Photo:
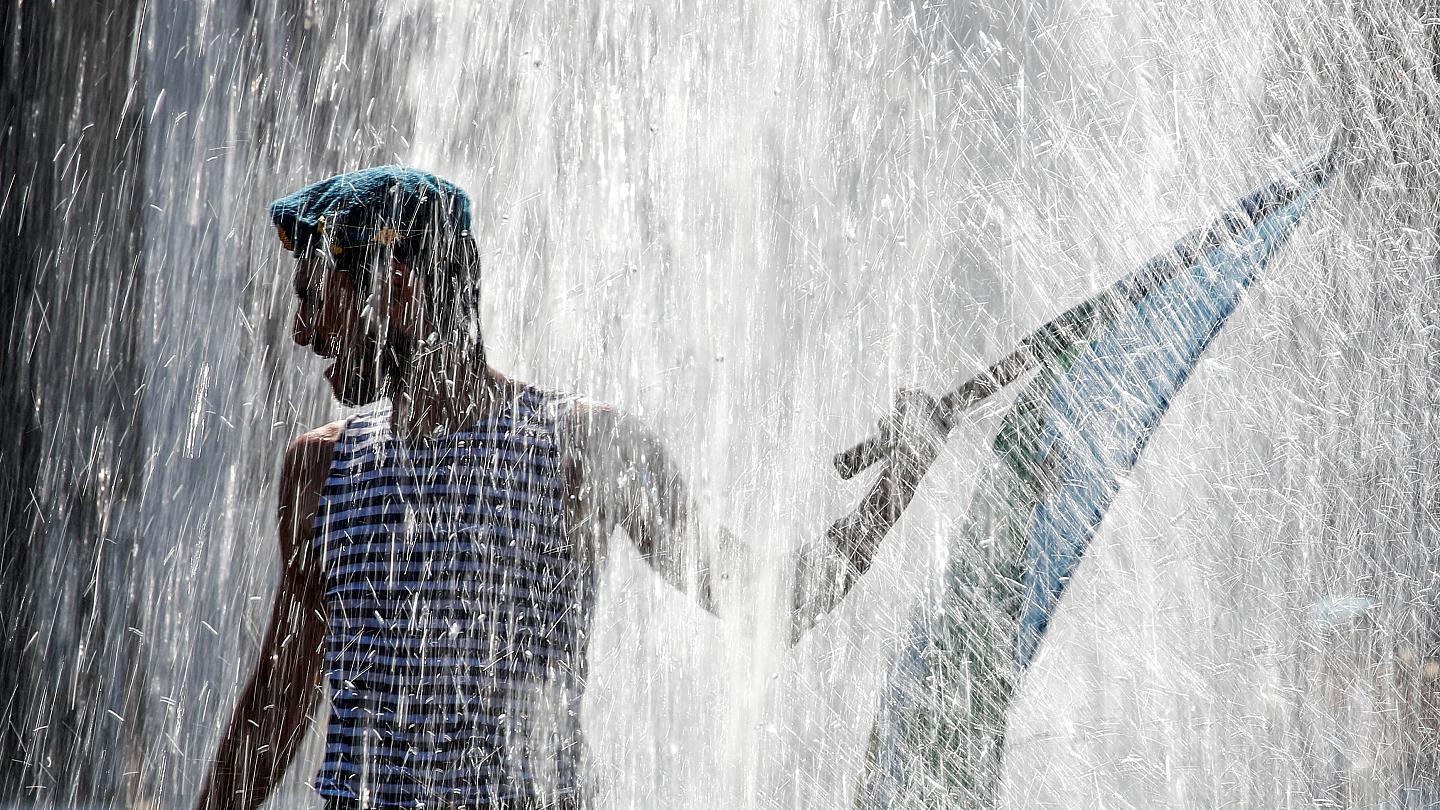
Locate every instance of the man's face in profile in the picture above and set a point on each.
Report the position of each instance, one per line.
(329, 319)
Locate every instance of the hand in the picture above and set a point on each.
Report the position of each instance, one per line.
(916, 430)
(912, 437)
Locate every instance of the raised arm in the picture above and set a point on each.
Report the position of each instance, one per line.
(273, 712)
(623, 477)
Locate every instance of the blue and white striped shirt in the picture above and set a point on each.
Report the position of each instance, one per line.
(457, 614)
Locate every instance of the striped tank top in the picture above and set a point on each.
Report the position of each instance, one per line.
(457, 615)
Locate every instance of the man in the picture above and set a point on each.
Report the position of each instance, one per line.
(439, 550)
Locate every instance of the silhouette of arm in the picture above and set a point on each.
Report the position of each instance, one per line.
(830, 567)
(625, 478)
(273, 712)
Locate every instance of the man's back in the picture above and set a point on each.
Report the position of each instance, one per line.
(457, 614)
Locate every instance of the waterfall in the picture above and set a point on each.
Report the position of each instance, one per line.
(748, 224)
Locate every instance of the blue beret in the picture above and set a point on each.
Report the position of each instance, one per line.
(383, 205)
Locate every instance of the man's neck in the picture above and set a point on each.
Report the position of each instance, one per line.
(444, 393)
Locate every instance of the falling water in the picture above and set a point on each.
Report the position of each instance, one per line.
(748, 224)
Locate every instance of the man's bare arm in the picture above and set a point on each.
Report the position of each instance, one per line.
(273, 712)
(628, 480)
(625, 478)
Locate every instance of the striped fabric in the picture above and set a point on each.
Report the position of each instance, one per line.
(457, 615)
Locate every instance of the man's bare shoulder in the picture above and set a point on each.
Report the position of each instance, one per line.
(314, 445)
(307, 465)
(307, 459)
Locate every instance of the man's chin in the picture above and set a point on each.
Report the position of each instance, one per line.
(352, 389)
